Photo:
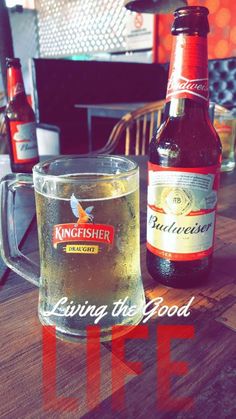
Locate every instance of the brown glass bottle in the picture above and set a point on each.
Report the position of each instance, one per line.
(184, 155)
(20, 121)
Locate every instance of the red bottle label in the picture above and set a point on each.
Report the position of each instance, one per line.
(15, 84)
(181, 211)
(24, 142)
(188, 75)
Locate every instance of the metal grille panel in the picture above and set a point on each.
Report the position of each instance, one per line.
(74, 27)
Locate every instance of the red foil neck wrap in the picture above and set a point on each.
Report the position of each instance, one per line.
(188, 75)
(15, 84)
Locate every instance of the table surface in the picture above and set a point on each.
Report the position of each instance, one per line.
(210, 380)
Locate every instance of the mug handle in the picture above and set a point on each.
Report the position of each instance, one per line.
(10, 252)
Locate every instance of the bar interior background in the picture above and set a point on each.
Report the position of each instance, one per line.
(98, 29)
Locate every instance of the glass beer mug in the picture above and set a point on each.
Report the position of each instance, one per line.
(88, 228)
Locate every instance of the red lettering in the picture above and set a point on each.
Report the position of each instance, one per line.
(50, 399)
(120, 367)
(167, 368)
(118, 351)
(93, 366)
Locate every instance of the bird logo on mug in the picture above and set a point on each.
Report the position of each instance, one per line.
(84, 216)
(84, 233)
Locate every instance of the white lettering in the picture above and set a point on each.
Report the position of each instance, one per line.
(153, 308)
(66, 308)
(176, 83)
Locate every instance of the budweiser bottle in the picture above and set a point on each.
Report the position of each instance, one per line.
(184, 163)
(20, 121)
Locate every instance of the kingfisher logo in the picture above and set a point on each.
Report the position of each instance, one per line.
(101, 233)
(84, 230)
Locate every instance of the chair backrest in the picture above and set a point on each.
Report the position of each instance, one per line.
(132, 134)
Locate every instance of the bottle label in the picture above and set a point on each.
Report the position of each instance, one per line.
(188, 75)
(15, 84)
(24, 141)
(181, 211)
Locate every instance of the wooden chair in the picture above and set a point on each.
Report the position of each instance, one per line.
(134, 130)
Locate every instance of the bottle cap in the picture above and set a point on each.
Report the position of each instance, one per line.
(191, 20)
(13, 62)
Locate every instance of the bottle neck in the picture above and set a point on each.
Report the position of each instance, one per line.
(15, 84)
(187, 107)
(188, 75)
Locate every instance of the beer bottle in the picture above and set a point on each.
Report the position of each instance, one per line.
(20, 121)
(184, 163)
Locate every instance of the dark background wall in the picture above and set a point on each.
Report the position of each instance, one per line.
(60, 84)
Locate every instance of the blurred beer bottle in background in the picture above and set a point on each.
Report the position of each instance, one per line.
(20, 121)
(184, 163)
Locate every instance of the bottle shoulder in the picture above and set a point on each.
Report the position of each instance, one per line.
(20, 111)
(185, 142)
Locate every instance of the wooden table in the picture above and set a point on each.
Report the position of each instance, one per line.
(106, 110)
(211, 376)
